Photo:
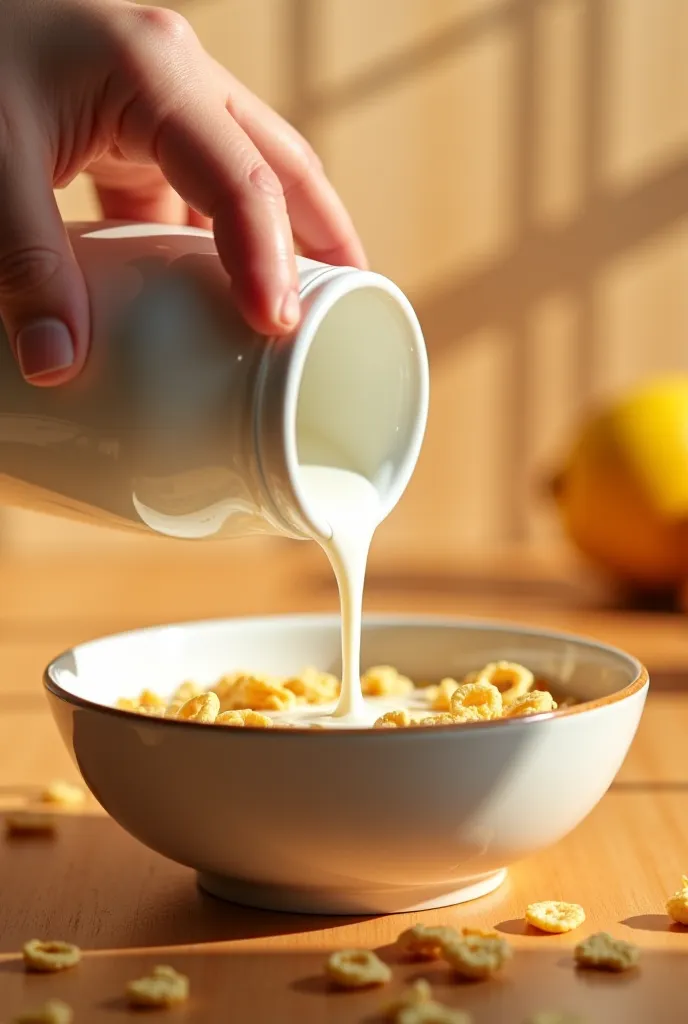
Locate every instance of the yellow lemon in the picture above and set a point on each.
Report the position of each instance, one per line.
(623, 491)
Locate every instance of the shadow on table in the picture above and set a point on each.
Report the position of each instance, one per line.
(94, 885)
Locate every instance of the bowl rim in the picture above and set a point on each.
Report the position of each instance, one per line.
(639, 682)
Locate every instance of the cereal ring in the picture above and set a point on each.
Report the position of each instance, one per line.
(533, 703)
(417, 993)
(246, 718)
(162, 987)
(476, 956)
(50, 956)
(314, 687)
(431, 1013)
(426, 942)
(203, 708)
(440, 696)
(511, 679)
(677, 905)
(475, 702)
(24, 823)
(65, 794)
(357, 968)
(555, 917)
(385, 681)
(393, 720)
(52, 1012)
(258, 694)
(603, 953)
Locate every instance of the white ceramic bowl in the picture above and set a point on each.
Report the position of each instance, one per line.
(345, 822)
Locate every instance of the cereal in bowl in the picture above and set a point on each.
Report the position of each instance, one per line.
(357, 968)
(501, 689)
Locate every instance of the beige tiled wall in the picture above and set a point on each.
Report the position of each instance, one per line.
(520, 167)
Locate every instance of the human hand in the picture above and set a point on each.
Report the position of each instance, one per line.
(128, 94)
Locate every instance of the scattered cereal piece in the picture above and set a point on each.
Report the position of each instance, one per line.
(440, 696)
(149, 699)
(385, 681)
(162, 987)
(554, 917)
(66, 794)
(430, 1012)
(677, 905)
(50, 956)
(246, 718)
(417, 993)
(52, 1012)
(357, 968)
(26, 823)
(555, 1018)
(511, 679)
(256, 693)
(533, 703)
(475, 702)
(476, 956)
(203, 708)
(313, 686)
(185, 691)
(604, 953)
(394, 720)
(426, 942)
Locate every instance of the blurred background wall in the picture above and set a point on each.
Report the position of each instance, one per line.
(520, 168)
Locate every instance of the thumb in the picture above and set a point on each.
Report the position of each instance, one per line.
(43, 299)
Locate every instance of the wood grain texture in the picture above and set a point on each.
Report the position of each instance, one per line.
(129, 908)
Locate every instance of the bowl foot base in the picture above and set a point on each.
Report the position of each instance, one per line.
(313, 901)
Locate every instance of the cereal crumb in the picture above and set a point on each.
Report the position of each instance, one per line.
(431, 1013)
(603, 953)
(203, 708)
(476, 956)
(475, 702)
(52, 1012)
(417, 993)
(246, 718)
(357, 968)
(555, 917)
(162, 987)
(385, 681)
(511, 679)
(533, 703)
(677, 905)
(65, 794)
(27, 823)
(49, 957)
(400, 719)
(426, 942)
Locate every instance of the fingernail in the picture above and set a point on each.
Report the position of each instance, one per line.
(290, 309)
(44, 347)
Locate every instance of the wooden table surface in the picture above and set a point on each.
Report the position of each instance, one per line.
(130, 909)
